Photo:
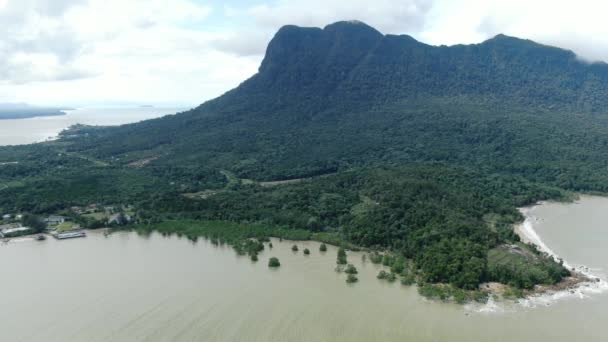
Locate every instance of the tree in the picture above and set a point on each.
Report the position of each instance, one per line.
(274, 262)
(398, 265)
(350, 269)
(341, 257)
(294, 248)
(306, 251)
(351, 278)
(34, 222)
(323, 248)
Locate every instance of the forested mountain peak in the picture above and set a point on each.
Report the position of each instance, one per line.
(346, 95)
(353, 62)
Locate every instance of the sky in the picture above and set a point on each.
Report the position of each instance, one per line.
(184, 52)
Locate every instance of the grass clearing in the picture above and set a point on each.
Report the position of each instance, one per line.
(96, 216)
(66, 226)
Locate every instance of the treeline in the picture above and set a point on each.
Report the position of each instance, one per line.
(444, 219)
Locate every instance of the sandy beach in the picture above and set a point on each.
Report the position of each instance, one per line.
(581, 284)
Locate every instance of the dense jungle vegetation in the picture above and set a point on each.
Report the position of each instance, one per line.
(390, 144)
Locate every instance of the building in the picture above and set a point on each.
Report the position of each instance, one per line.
(69, 234)
(13, 230)
(77, 210)
(54, 220)
(9, 226)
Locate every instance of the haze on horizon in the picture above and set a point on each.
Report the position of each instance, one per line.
(183, 52)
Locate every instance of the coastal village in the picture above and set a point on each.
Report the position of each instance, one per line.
(65, 225)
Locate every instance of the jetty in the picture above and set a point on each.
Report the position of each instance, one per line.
(69, 234)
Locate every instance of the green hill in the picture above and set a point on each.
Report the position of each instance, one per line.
(347, 96)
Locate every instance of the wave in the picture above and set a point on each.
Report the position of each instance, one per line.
(595, 285)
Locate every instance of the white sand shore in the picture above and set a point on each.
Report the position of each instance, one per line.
(583, 283)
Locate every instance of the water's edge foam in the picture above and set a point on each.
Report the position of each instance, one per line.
(597, 283)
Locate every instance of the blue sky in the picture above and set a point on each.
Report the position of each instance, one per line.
(183, 52)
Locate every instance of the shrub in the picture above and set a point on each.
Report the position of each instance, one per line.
(274, 262)
(375, 258)
(341, 257)
(408, 279)
(350, 269)
(398, 265)
(387, 260)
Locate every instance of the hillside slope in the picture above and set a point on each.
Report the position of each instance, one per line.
(346, 96)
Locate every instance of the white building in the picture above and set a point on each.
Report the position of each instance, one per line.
(10, 230)
(54, 220)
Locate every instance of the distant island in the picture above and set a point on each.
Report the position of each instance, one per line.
(24, 111)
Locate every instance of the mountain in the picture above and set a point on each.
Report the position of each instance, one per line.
(361, 138)
(346, 95)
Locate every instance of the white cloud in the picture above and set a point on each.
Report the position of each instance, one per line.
(388, 16)
(385, 15)
(187, 51)
(113, 50)
(579, 26)
(251, 43)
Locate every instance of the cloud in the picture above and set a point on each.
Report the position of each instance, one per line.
(386, 15)
(34, 38)
(115, 51)
(42, 41)
(265, 19)
(187, 51)
(252, 43)
(578, 26)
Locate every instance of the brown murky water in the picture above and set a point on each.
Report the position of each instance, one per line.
(131, 288)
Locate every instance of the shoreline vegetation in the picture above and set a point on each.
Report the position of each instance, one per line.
(399, 268)
(455, 235)
(251, 239)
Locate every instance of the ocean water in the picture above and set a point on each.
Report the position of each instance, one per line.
(31, 130)
(127, 287)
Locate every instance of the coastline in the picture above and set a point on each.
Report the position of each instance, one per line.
(22, 116)
(581, 284)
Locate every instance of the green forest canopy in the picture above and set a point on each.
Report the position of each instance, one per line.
(420, 149)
